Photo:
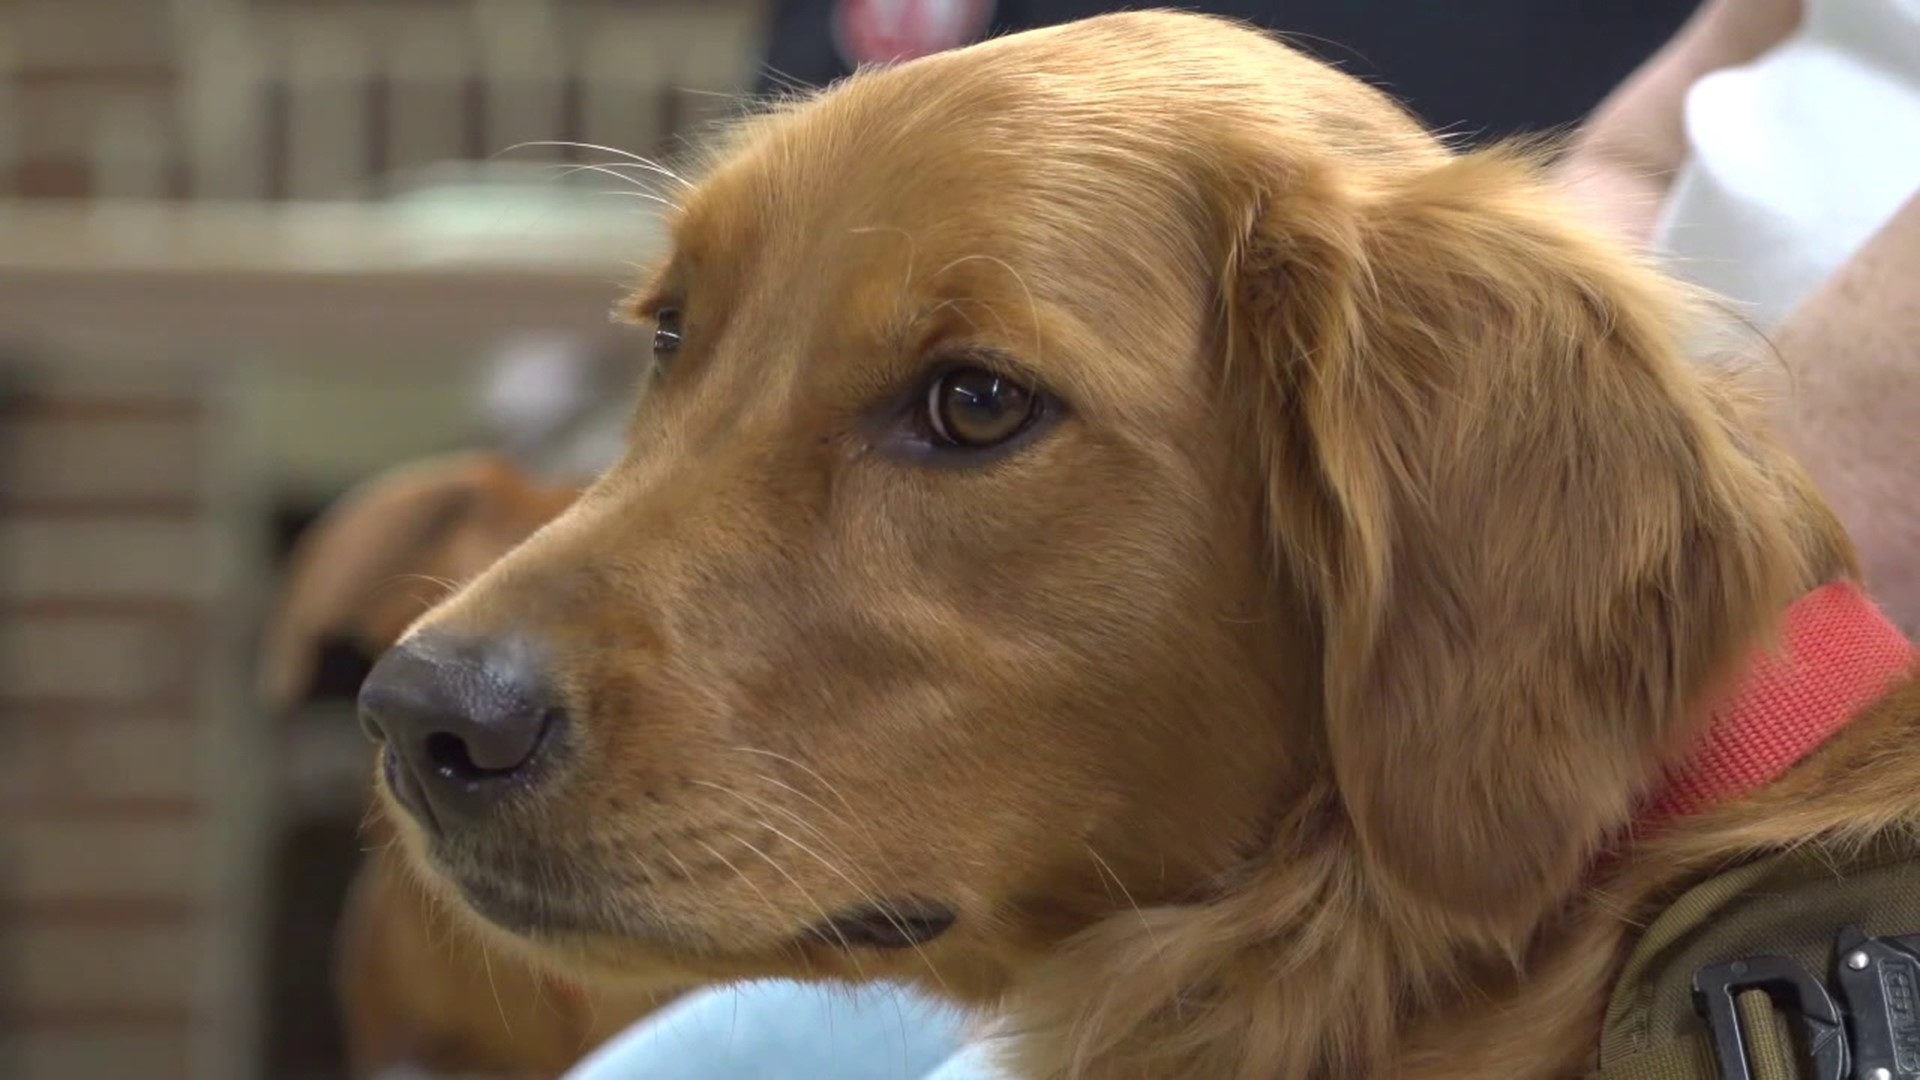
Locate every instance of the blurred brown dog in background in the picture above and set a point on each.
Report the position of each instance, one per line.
(418, 989)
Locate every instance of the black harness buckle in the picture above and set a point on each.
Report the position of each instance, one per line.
(1809, 1008)
(1879, 980)
(1872, 1032)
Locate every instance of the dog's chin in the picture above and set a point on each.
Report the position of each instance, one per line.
(568, 935)
(540, 919)
(592, 949)
(529, 915)
(505, 905)
(498, 886)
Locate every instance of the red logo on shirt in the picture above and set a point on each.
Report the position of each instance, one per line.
(887, 31)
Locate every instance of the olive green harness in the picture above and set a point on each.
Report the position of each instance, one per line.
(1792, 967)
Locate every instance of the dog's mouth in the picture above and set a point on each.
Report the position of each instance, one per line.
(901, 925)
(515, 903)
(521, 911)
(888, 927)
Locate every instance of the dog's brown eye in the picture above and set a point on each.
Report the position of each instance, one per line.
(974, 408)
(666, 331)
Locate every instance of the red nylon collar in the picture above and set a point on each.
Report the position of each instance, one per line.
(1838, 653)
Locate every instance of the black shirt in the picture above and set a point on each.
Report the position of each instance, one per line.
(1477, 67)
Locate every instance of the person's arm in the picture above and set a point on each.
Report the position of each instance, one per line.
(1623, 160)
(1852, 414)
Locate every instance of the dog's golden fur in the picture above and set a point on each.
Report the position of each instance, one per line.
(1265, 714)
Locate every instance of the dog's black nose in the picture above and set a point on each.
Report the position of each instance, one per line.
(464, 725)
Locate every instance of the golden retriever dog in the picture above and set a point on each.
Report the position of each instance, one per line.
(1129, 531)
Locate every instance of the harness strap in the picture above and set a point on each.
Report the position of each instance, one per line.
(1772, 1053)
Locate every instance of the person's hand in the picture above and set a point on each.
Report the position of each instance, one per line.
(1621, 163)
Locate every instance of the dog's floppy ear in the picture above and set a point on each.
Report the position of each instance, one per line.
(1527, 532)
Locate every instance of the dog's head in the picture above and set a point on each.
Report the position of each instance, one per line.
(1067, 460)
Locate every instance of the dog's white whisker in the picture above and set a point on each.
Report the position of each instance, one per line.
(646, 870)
(807, 769)
(648, 196)
(451, 586)
(879, 903)
(568, 144)
(913, 250)
(616, 170)
(772, 908)
(762, 804)
(686, 873)
(486, 963)
(826, 920)
(867, 892)
(1145, 925)
(873, 841)
(870, 892)
(1033, 305)
(959, 306)
(827, 841)
(851, 816)
(826, 810)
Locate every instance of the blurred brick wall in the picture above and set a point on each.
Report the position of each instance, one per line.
(326, 99)
(105, 607)
(130, 842)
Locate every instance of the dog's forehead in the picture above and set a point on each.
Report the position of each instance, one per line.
(856, 160)
(906, 254)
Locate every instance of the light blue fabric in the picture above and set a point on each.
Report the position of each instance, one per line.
(790, 1031)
